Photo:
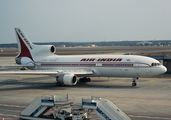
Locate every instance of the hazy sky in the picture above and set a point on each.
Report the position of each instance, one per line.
(85, 20)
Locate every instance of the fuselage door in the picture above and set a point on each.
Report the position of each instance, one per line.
(136, 65)
(99, 65)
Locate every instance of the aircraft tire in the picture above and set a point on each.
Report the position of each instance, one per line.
(89, 80)
(134, 84)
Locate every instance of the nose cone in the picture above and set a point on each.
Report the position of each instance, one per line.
(158, 70)
(163, 69)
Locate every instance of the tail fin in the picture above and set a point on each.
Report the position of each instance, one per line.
(25, 46)
(29, 50)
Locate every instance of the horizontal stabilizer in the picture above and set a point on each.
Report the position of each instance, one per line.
(15, 65)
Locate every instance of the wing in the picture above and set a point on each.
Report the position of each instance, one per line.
(48, 72)
(43, 72)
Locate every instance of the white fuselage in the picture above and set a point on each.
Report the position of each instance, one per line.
(103, 65)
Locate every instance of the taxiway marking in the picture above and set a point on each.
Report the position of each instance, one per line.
(10, 110)
(12, 105)
(160, 118)
(154, 80)
(9, 115)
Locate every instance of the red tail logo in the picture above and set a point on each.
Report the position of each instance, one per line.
(24, 52)
(25, 39)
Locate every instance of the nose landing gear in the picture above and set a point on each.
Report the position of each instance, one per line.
(134, 82)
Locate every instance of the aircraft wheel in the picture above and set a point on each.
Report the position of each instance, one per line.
(81, 80)
(134, 84)
(89, 80)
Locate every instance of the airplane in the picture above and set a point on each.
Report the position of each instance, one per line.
(41, 59)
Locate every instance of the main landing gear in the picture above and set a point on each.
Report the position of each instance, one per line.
(84, 79)
(134, 82)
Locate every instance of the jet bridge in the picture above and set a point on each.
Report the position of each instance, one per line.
(60, 108)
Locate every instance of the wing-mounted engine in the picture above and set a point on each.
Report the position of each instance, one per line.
(66, 79)
(25, 61)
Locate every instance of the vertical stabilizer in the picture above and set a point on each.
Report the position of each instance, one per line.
(29, 52)
(25, 46)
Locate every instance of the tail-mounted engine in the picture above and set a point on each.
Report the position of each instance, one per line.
(44, 49)
(67, 79)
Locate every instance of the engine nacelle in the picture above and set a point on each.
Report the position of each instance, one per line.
(67, 79)
(44, 49)
(25, 61)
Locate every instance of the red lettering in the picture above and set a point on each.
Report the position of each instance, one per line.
(114, 59)
(92, 59)
(84, 59)
(99, 59)
(27, 42)
(19, 31)
(88, 59)
(22, 35)
(109, 59)
(119, 59)
(25, 39)
(103, 59)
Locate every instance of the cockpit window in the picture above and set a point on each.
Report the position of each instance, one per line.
(155, 64)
